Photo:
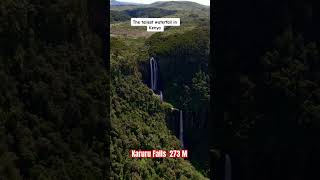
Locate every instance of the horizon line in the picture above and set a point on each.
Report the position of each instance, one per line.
(126, 1)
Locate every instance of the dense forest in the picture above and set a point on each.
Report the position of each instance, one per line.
(140, 119)
(183, 60)
(55, 90)
(53, 95)
(265, 89)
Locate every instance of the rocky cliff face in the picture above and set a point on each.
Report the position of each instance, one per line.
(145, 71)
(194, 135)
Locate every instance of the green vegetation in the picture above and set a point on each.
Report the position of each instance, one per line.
(291, 76)
(191, 15)
(184, 67)
(138, 116)
(138, 121)
(149, 12)
(53, 95)
(185, 6)
(183, 60)
(266, 90)
(118, 16)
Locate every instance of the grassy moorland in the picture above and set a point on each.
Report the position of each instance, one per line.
(191, 15)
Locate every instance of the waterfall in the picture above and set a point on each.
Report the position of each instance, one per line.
(161, 96)
(153, 73)
(181, 129)
(154, 78)
(227, 167)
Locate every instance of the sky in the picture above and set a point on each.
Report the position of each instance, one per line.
(204, 2)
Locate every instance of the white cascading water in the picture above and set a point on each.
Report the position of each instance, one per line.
(181, 129)
(153, 86)
(227, 169)
(161, 96)
(153, 73)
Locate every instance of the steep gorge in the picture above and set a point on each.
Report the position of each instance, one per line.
(179, 69)
(138, 119)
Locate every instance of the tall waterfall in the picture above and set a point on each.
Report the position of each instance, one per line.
(161, 96)
(181, 129)
(227, 168)
(153, 73)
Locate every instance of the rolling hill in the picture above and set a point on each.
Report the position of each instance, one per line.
(191, 14)
(148, 12)
(185, 6)
(120, 3)
(180, 5)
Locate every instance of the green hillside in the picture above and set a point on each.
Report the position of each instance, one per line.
(53, 92)
(138, 121)
(169, 5)
(118, 16)
(191, 15)
(138, 116)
